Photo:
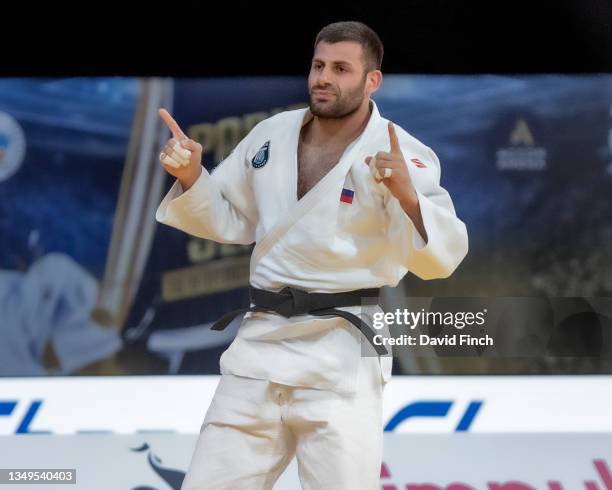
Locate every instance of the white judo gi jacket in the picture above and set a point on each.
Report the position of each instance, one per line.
(318, 243)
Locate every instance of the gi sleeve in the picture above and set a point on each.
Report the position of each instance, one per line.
(447, 240)
(219, 206)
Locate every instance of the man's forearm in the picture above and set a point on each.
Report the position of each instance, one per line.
(411, 206)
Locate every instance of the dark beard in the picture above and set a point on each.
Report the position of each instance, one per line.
(342, 107)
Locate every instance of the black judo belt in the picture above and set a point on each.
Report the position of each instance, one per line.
(292, 302)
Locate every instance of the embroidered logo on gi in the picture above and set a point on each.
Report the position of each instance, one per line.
(262, 155)
(418, 163)
(347, 196)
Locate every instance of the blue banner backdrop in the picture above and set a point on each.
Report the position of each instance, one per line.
(527, 160)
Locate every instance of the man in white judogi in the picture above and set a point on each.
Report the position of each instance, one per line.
(336, 199)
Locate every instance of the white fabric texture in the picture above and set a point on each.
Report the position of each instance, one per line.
(317, 243)
(253, 428)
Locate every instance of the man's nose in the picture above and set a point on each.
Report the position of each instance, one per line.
(323, 78)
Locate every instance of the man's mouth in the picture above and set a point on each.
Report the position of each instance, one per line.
(322, 93)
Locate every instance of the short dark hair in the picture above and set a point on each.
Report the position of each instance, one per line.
(371, 44)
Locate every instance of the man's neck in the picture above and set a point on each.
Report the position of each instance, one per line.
(343, 130)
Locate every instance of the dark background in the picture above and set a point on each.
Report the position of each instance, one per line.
(265, 38)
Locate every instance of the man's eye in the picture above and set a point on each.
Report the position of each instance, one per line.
(341, 69)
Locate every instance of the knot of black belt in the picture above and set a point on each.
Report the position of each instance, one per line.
(291, 301)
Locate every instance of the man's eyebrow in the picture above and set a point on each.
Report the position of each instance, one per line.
(337, 62)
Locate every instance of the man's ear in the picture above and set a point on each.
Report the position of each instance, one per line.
(374, 80)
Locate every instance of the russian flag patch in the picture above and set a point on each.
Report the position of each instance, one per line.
(347, 196)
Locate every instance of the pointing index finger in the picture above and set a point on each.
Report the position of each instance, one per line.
(395, 146)
(172, 124)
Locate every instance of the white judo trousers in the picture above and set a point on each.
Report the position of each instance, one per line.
(254, 428)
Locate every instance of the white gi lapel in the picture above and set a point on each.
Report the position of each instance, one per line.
(330, 183)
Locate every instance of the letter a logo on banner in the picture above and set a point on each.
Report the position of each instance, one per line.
(262, 155)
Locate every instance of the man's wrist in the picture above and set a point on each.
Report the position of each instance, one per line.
(188, 181)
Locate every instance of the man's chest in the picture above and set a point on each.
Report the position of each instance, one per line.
(314, 162)
(306, 183)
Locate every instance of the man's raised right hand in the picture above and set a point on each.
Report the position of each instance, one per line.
(181, 157)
